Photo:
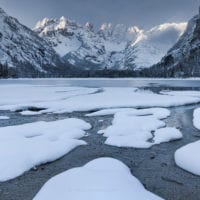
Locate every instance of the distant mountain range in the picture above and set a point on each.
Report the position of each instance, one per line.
(62, 47)
(112, 47)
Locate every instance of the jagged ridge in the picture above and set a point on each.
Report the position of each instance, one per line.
(112, 47)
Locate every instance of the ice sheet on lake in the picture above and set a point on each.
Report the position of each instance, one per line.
(100, 179)
(25, 146)
(69, 99)
(138, 128)
(182, 93)
(22, 96)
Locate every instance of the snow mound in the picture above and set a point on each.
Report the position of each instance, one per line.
(196, 118)
(187, 156)
(25, 146)
(188, 159)
(103, 178)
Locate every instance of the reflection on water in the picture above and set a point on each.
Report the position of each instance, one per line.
(101, 82)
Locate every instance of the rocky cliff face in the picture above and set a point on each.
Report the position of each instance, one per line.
(183, 59)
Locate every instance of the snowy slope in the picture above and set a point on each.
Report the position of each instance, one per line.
(21, 46)
(156, 42)
(112, 46)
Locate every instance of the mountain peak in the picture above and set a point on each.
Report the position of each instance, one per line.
(44, 22)
(89, 26)
(63, 18)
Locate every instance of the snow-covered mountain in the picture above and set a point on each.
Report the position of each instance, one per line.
(112, 47)
(59, 46)
(20, 46)
(183, 59)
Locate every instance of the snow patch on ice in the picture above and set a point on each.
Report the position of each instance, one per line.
(136, 127)
(166, 135)
(103, 178)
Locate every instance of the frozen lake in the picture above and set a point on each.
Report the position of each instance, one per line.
(75, 121)
(106, 82)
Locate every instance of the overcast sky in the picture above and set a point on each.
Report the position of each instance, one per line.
(142, 13)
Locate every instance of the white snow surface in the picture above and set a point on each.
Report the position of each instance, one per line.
(4, 117)
(69, 99)
(134, 128)
(24, 146)
(103, 178)
(187, 157)
(29, 113)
